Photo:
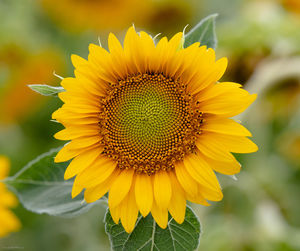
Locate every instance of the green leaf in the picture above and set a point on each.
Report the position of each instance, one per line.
(204, 32)
(147, 235)
(41, 188)
(46, 90)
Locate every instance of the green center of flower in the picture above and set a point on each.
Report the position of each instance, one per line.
(148, 123)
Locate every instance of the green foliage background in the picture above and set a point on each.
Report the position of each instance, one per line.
(260, 211)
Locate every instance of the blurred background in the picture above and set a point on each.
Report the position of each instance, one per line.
(261, 38)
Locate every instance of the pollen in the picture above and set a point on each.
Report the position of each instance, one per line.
(149, 122)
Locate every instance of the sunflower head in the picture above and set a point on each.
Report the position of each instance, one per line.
(149, 123)
(8, 221)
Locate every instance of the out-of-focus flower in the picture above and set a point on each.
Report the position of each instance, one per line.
(21, 68)
(168, 15)
(292, 5)
(283, 99)
(78, 15)
(8, 221)
(149, 123)
(291, 147)
(283, 102)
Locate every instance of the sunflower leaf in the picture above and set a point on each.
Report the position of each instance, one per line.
(204, 32)
(147, 235)
(46, 90)
(41, 188)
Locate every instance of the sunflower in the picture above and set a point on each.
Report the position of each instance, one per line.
(8, 221)
(149, 124)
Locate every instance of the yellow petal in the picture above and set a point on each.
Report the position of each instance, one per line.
(117, 56)
(76, 189)
(144, 193)
(4, 167)
(95, 193)
(83, 107)
(169, 52)
(148, 49)
(91, 81)
(235, 144)
(78, 86)
(70, 112)
(189, 185)
(120, 187)
(91, 121)
(129, 211)
(189, 56)
(209, 194)
(197, 199)
(160, 215)
(63, 112)
(101, 60)
(202, 65)
(68, 97)
(132, 50)
(162, 189)
(212, 148)
(158, 59)
(195, 63)
(114, 45)
(175, 42)
(175, 65)
(177, 204)
(228, 168)
(201, 171)
(9, 222)
(68, 152)
(77, 132)
(78, 61)
(224, 126)
(81, 162)
(210, 77)
(71, 84)
(116, 213)
(221, 89)
(227, 106)
(96, 173)
(8, 199)
(84, 142)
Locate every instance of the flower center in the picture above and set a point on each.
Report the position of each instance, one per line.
(149, 123)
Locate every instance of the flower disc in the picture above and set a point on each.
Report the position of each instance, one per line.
(148, 123)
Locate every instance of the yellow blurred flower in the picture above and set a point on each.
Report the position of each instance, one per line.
(150, 124)
(8, 221)
(22, 68)
(97, 14)
(282, 99)
(291, 147)
(168, 15)
(292, 5)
